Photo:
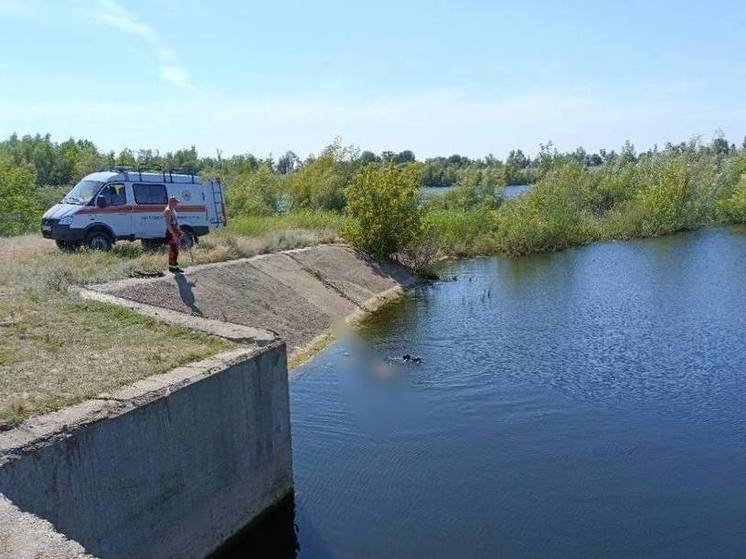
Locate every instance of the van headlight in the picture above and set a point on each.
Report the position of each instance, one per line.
(67, 220)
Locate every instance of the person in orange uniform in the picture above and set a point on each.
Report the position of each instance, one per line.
(173, 234)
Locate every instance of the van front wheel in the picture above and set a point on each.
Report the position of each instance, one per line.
(98, 240)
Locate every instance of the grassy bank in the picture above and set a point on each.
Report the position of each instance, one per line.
(57, 349)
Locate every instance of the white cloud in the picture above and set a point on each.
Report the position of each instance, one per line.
(111, 13)
(176, 76)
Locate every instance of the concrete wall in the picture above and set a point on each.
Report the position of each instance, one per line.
(299, 294)
(169, 467)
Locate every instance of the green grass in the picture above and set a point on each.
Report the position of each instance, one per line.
(57, 351)
(464, 232)
(312, 220)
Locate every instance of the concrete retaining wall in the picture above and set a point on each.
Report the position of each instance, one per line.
(176, 464)
(169, 467)
(299, 294)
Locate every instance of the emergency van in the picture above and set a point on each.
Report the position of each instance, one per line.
(123, 204)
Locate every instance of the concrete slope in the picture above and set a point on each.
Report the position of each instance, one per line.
(298, 294)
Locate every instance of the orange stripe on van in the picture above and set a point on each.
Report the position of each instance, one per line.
(141, 208)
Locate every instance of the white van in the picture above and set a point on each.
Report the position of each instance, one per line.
(122, 204)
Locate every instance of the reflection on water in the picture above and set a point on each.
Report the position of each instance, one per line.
(588, 403)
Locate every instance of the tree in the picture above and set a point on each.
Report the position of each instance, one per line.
(368, 157)
(320, 182)
(18, 195)
(288, 163)
(254, 193)
(515, 165)
(720, 144)
(383, 205)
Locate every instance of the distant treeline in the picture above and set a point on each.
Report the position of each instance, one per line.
(64, 163)
(578, 196)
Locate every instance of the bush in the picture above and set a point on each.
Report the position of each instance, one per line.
(320, 182)
(17, 191)
(551, 216)
(253, 193)
(383, 205)
(477, 188)
(733, 208)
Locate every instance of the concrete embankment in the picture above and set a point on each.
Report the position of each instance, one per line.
(298, 294)
(176, 464)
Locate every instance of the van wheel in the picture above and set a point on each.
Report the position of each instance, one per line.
(187, 239)
(151, 244)
(98, 240)
(68, 246)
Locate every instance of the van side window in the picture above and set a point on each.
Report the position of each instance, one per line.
(150, 194)
(114, 194)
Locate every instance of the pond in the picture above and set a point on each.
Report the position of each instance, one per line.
(588, 403)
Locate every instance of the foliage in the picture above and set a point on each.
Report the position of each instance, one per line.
(464, 232)
(254, 193)
(551, 216)
(477, 187)
(382, 202)
(320, 182)
(578, 197)
(17, 196)
(629, 197)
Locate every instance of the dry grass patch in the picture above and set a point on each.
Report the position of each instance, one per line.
(57, 349)
(64, 350)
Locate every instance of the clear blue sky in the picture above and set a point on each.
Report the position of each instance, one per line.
(438, 77)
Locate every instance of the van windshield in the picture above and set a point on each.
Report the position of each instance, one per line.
(82, 193)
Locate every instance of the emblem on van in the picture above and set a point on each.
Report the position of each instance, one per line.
(186, 195)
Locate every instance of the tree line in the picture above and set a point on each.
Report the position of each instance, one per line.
(577, 196)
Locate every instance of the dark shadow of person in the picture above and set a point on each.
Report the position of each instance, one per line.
(186, 294)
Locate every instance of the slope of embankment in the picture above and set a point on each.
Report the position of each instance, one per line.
(298, 294)
(177, 463)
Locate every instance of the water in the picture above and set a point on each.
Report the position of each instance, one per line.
(509, 191)
(588, 403)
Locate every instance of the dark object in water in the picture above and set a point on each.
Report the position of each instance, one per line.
(408, 358)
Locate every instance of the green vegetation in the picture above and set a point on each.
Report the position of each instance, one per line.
(369, 200)
(651, 195)
(57, 349)
(382, 202)
(577, 197)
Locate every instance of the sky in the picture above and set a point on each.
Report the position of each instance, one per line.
(438, 77)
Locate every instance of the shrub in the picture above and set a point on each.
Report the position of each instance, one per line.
(383, 205)
(254, 193)
(320, 182)
(551, 216)
(17, 191)
(733, 208)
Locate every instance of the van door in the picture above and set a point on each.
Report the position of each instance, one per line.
(147, 215)
(117, 214)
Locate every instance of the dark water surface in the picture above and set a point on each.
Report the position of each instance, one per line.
(589, 403)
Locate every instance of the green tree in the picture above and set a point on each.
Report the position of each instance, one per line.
(17, 191)
(383, 204)
(320, 182)
(254, 193)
